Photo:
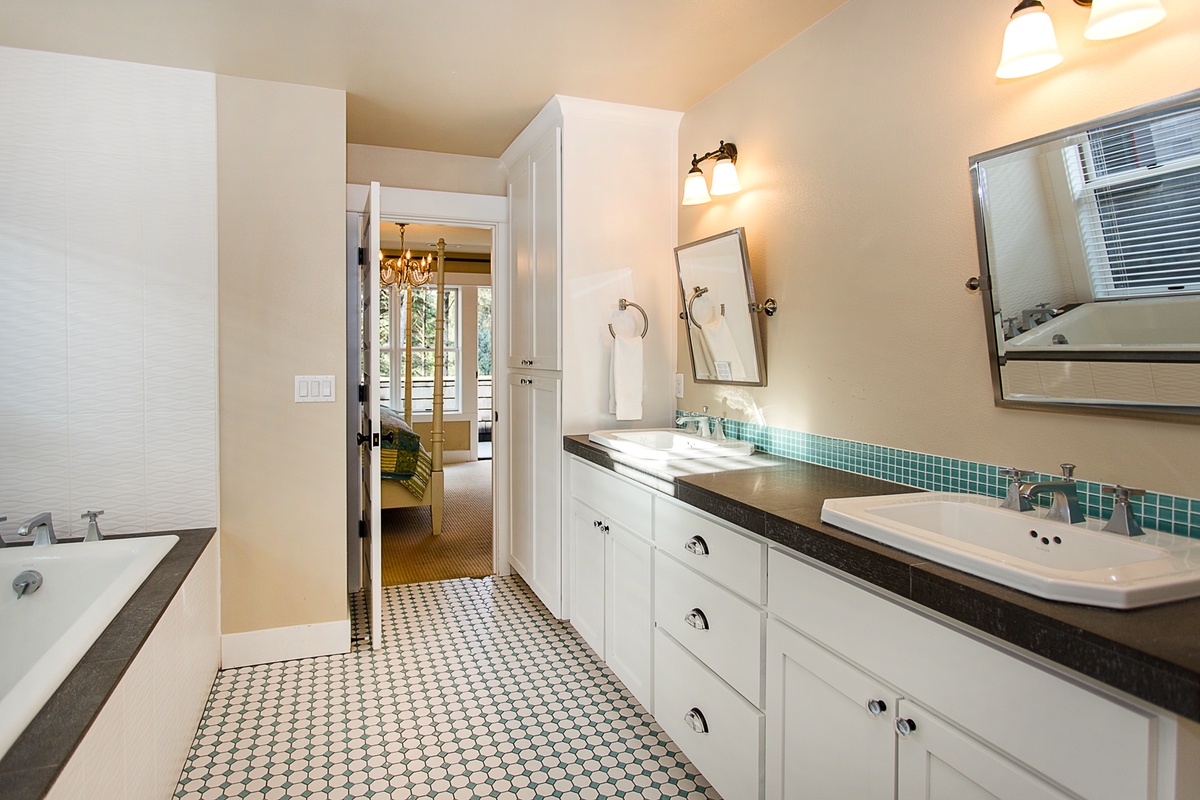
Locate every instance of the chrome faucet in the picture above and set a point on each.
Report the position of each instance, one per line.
(41, 527)
(1065, 505)
(1013, 498)
(93, 529)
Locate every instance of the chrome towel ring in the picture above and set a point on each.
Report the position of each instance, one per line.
(625, 305)
(699, 292)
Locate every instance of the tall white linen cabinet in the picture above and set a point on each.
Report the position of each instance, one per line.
(593, 191)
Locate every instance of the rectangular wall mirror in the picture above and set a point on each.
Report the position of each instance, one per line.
(1089, 244)
(717, 292)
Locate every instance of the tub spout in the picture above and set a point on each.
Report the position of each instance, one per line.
(41, 527)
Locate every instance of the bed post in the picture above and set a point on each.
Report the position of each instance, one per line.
(437, 478)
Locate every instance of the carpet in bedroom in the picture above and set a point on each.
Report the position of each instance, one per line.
(412, 554)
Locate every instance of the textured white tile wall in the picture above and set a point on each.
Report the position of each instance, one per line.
(108, 310)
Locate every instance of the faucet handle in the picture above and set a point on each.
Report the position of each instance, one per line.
(1068, 470)
(1122, 493)
(1015, 474)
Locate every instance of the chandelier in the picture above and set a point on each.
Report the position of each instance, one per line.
(404, 270)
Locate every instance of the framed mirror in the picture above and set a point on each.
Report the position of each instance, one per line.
(1089, 247)
(719, 310)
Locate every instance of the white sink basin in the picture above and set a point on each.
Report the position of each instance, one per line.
(662, 444)
(1073, 563)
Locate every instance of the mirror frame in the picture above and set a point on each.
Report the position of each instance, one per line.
(1188, 414)
(755, 322)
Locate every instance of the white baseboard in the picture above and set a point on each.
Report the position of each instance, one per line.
(284, 644)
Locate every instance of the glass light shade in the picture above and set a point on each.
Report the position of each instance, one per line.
(1111, 19)
(695, 189)
(1029, 45)
(725, 177)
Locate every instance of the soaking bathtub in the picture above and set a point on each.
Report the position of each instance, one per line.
(107, 665)
(1142, 325)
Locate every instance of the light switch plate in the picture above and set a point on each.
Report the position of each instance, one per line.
(315, 389)
(679, 385)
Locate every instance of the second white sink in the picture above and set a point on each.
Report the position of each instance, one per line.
(666, 443)
(1053, 560)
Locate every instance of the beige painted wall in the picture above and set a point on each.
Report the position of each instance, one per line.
(281, 196)
(853, 143)
(418, 169)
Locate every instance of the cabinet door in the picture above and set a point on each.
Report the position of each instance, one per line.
(588, 544)
(520, 285)
(535, 470)
(546, 297)
(629, 632)
(939, 762)
(825, 739)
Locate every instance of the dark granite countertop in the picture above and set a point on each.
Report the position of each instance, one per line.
(37, 757)
(1151, 653)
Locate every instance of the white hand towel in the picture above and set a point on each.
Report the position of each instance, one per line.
(625, 389)
(723, 349)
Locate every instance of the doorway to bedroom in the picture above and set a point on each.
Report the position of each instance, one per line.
(412, 552)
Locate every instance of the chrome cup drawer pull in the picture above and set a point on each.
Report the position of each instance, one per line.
(876, 707)
(696, 721)
(696, 546)
(696, 619)
(905, 726)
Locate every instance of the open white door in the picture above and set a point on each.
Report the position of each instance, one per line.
(368, 435)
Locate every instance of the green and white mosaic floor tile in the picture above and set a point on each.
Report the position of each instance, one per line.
(477, 693)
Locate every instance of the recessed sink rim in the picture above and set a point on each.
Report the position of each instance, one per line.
(663, 444)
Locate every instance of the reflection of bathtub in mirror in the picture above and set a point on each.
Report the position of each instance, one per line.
(1141, 325)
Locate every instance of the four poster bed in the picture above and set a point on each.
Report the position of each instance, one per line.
(412, 475)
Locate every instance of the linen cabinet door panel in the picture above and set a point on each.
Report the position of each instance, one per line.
(720, 628)
(520, 287)
(545, 299)
(535, 470)
(713, 725)
(588, 544)
(936, 761)
(830, 728)
(629, 615)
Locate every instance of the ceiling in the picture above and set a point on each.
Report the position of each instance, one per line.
(449, 76)
(423, 238)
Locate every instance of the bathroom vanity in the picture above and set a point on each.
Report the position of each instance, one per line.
(788, 658)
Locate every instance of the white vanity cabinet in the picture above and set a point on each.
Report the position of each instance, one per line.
(709, 578)
(968, 717)
(612, 574)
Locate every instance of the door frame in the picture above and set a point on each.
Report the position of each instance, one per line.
(440, 208)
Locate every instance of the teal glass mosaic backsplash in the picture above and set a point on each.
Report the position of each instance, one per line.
(1180, 515)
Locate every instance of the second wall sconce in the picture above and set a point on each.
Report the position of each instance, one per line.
(724, 180)
(1029, 43)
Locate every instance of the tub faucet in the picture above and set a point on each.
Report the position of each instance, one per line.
(1065, 505)
(93, 529)
(41, 527)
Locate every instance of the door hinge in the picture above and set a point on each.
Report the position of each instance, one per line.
(362, 529)
(362, 393)
(362, 256)
(375, 439)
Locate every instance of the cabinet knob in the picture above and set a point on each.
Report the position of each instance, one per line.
(596, 523)
(696, 619)
(604, 529)
(696, 721)
(876, 707)
(696, 546)
(905, 726)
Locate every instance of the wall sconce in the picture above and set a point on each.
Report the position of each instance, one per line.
(724, 180)
(1029, 43)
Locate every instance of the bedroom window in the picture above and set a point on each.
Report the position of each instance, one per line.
(393, 328)
(1136, 188)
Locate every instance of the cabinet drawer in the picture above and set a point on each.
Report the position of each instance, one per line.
(1096, 746)
(731, 641)
(732, 559)
(613, 497)
(729, 754)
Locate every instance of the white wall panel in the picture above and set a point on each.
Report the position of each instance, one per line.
(108, 273)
